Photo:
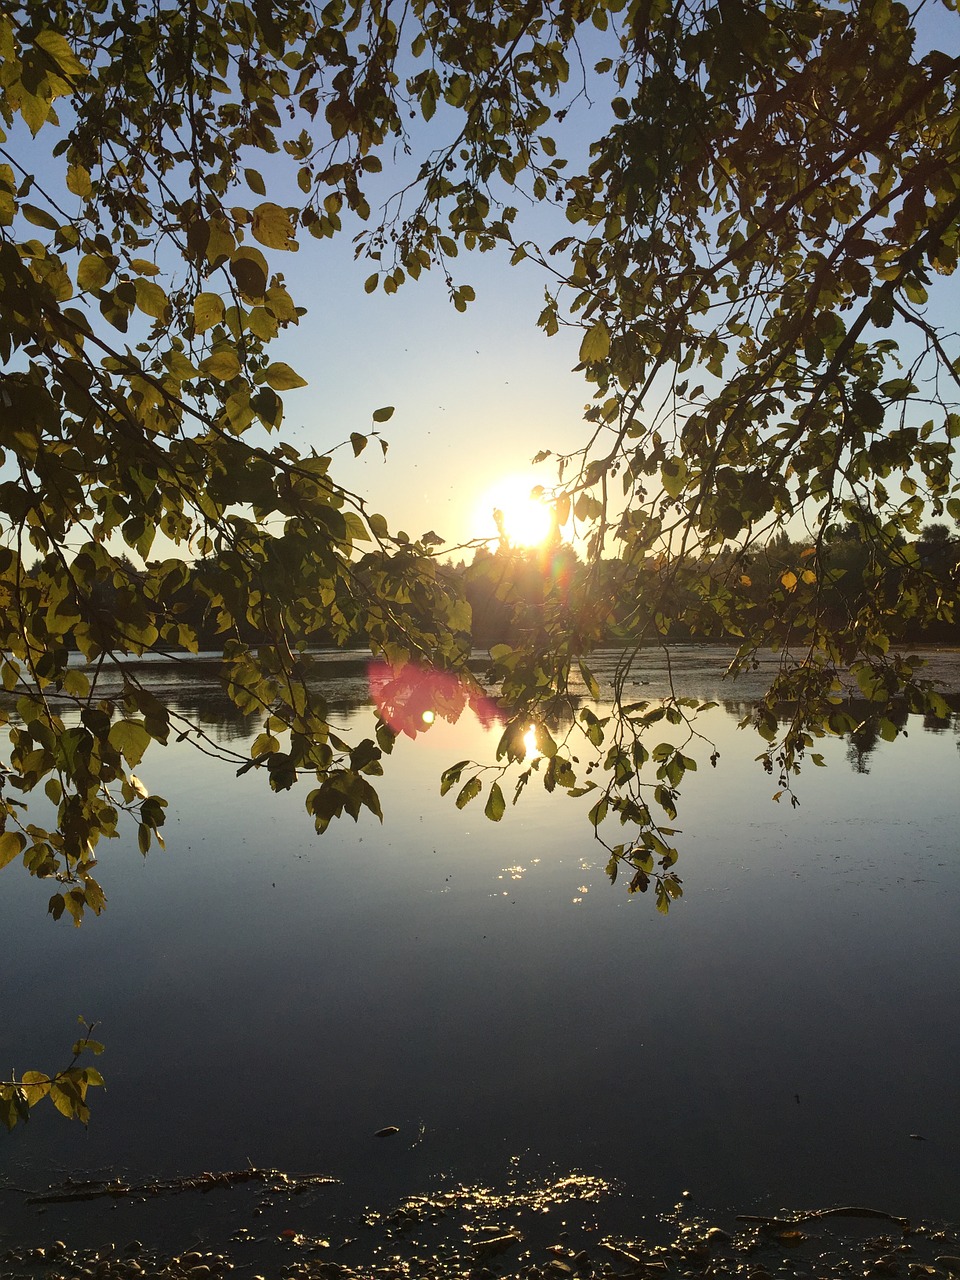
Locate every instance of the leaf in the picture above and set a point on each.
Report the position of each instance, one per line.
(35, 111)
(255, 182)
(273, 227)
(152, 300)
(78, 181)
(281, 377)
(673, 475)
(12, 844)
(589, 679)
(358, 443)
(55, 46)
(223, 365)
(207, 311)
(130, 738)
(248, 267)
(468, 792)
(595, 345)
(65, 1096)
(788, 580)
(495, 806)
(35, 1086)
(39, 217)
(384, 414)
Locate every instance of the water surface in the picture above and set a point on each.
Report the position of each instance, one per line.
(272, 997)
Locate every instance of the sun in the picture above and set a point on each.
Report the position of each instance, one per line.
(526, 520)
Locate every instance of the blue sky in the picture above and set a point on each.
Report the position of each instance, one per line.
(476, 394)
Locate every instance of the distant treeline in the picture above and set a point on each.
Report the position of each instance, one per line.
(512, 591)
(516, 593)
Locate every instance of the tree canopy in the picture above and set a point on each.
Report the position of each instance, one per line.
(753, 245)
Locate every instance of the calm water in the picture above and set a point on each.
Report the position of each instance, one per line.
(272, 997)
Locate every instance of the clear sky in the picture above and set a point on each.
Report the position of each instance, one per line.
(476, 394)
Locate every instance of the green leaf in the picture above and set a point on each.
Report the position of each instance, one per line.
(673, 475)
(384, 414)
(468, 792)
(495, 806)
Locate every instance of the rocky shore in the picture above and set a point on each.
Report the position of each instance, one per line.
(536, 1231)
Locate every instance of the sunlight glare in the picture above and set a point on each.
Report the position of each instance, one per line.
(527, 522)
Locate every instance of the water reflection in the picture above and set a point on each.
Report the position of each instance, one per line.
(272, 998)
(411, 699)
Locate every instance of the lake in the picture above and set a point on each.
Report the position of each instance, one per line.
(787, 1036)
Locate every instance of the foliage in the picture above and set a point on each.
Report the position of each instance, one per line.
(66, 1089)
(749, 252)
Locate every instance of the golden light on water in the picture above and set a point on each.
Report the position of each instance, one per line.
(530, 743)
(526, 521)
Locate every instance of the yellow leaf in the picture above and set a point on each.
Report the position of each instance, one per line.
(35, 1086)
(11, 844)
(808, 576)
(93, 272)
(35, 111)
(596, 344)
(789, 580)
(273, 227)
(56, 48)
(78, 180)
(222, 365)
(151, 299)
(281, 377)
(207, 311)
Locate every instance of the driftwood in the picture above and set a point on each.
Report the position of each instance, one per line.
(847, 1211)
(291, 1183)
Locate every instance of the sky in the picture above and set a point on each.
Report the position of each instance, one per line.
(476, 394)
